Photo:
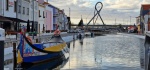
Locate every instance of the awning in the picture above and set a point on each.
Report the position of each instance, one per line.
(4, 19)
(34, 21)
(16, 19)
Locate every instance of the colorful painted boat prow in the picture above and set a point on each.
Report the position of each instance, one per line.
(35, 53)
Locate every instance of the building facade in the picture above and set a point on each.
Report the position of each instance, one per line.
(42, 15)
(144, 10)
(1, 7)
(61, 19)
(41, 18)
(146, 22)
(66, 22)
(33, 15)
(23, 11)
(8, 10)
(55, 16)
(14, 10)
(49, 17)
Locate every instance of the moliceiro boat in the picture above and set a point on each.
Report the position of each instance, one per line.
(29, 53)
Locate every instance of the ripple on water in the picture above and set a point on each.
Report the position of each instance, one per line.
(111, 52)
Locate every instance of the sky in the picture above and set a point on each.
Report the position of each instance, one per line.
(114, 11)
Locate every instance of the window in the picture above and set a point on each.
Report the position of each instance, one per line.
(23, 10)
(15, 6)
(27, 11)
(31, 6)
(46, 14)
(7, 5)
(39, 14)
(19, 9)
(43, 15)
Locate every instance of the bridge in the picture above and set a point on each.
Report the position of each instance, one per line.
(102, 25)
(104, 29)
(99, 28)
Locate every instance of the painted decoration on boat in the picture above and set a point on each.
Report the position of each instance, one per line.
(27, 50)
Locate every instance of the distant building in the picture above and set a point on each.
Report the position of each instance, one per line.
(55, 16)
(146, 21)
(66, 22)
(1, 7)
(80, 25)
(61, 20)
(144, 10)
(138, 20)
(138, 24)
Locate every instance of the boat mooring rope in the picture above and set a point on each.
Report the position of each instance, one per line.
(96, 13)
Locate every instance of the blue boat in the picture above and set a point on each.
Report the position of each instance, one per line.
(29, 53)
(58, 63)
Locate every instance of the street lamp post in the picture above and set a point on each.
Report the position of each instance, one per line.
(33, 21)
(130, 20)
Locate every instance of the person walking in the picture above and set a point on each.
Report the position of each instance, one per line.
(139, 30)
(57, 31)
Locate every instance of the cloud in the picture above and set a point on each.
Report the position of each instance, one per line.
(146, 2)
(85, 4)
(113, 9)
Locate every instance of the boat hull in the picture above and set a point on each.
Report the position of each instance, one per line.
(40, 58)
(30, 54)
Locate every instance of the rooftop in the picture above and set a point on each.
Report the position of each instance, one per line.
(146, 6)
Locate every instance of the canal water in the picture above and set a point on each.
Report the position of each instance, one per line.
(109, 52)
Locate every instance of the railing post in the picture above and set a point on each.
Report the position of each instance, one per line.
(2, 39)
(14, 56)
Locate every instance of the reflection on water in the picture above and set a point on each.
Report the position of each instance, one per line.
(111, 52)
(49, 64)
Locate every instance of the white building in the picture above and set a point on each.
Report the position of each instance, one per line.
(23, 11)
(8, 9)
(146, 17)
(41, 19)
(33, 12)
(66, 22)
(61, 20)
(1, 7)
(20, 11)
